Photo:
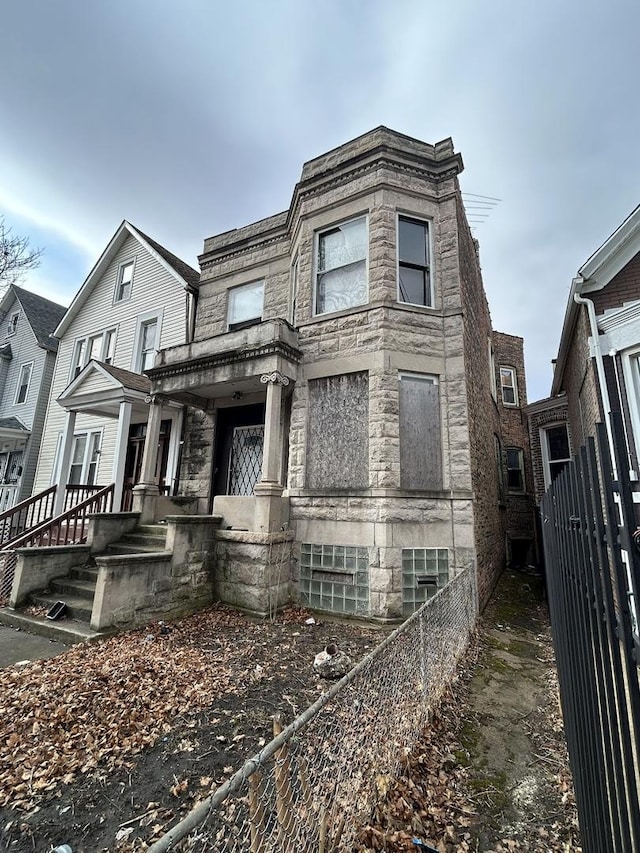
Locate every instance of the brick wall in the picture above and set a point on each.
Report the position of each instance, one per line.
(542, 414)
(623, 287)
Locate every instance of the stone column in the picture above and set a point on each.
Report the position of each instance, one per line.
(268, 492)
(65, 462)
(119, 459)
(146, 490)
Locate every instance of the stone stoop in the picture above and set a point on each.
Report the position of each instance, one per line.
(78, 587)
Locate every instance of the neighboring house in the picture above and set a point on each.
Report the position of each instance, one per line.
(27, 359)
(137, 299)
(597, 370)
(345, 419)
(511, 393)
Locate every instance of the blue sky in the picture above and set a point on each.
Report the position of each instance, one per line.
(193, 118)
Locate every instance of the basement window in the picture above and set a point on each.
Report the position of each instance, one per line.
(424, 572)
(335, 578)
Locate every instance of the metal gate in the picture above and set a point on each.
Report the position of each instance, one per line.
(588, 522)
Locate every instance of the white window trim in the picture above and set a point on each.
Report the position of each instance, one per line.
(632, 383)
(26, 396)
(86, 338)
(520, 452)
(57, 460)
(121, 266)
(141, 320)
(431, 378)
(316, 255)
(544, 447)
(514, 375)
(239, 287)
(429, 223)
(13, 323)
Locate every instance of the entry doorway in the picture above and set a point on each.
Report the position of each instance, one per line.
(238, 452)
(133, 462)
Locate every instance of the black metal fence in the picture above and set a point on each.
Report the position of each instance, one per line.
(588, 522)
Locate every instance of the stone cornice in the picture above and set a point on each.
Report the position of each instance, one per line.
(213, 360)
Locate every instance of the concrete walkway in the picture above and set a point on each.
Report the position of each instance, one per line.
(18, 645)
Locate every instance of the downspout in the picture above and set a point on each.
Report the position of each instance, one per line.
(597, 354)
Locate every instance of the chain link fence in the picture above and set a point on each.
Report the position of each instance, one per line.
(314, 786)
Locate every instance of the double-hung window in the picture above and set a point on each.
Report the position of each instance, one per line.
(13, 323)
(85, 455)
(148, 343)
(556, 453)
(124, 281)
(244, 306)
(515, 470)
(341, 267)
(100, 347)
(414, 266)
(508, 386)
(23, 382)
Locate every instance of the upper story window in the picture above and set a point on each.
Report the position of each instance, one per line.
(341, 267)
(124, 281)
(100, 347)
(23, 382)
(515, 469)
(556, 453)
(509, 386)
(148, 343)
(244, 306)
(414, 267)
(492, 371)
(13, 323)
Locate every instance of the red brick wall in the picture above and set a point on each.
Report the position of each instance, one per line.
(623, 287)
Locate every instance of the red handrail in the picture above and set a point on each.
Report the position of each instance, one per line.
(28, 513)
(70, 526)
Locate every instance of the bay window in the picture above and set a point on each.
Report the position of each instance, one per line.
(341, 267)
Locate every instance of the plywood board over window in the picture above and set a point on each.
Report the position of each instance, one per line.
(420, 432)
(338, 434)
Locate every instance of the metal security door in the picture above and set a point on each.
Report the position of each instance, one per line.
(245, 464)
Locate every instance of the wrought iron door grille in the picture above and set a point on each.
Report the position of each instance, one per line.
(245, 464)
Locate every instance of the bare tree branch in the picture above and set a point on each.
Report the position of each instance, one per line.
(16, 257)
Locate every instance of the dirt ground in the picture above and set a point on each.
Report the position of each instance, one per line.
(105, 747)
(491, 773)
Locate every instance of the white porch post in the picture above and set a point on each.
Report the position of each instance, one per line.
(65, 462)
(122, 441)
(268, 491)
(146, 490)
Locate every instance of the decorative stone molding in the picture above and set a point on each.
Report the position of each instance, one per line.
(276, 377)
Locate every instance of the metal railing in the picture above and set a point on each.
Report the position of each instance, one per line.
(75, 494)
(28, 513)
(314, 786)
(68, 528)
(592, 568)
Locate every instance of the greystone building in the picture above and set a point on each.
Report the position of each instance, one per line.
(342, 411)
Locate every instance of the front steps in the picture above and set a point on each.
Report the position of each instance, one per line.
(77, 590)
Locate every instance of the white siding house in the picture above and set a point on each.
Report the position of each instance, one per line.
(27, 358)
(135, 301)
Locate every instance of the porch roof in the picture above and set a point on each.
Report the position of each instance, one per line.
(13, 426)
(100, 388)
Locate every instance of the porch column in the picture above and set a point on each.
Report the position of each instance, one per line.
(269, 511)
(272, 448)
(65, 462)
(120, 457)
(146, 490)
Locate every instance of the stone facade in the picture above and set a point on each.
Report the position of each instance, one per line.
(286, 366)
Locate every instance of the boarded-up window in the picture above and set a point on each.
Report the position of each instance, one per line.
(338, 436)
(420, 438)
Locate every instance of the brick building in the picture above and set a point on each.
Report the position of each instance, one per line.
(597, 370)
(346, 414)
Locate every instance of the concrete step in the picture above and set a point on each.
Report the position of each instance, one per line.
(66, 586)
(145, 539)
(123, 548)
(66, 630)
(77, 608)
(84, 573)
(152, 530)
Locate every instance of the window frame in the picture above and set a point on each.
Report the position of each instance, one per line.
(430, 379)
(316, 258)
(117, 297)
(521, 489)
(428, 224)
(249, 321)
(19, 385)
(93, 447)
(141, 321)
(13, 323)
(81, 349)
(492, 371)
(514, 386)
(544, 447)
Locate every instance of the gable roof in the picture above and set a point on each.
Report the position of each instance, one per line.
(182, 272)
(42, 314)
